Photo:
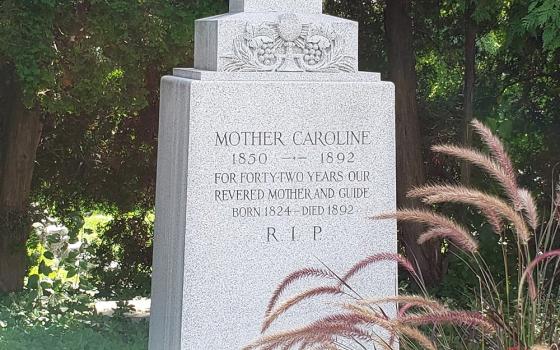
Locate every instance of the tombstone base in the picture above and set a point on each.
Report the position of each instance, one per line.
(258, 178)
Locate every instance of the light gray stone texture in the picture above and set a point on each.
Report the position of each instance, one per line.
(206, 44)
(280, 68)
(214, 273)
(198, 74)
(297, 6)
(259, 42)
(171, 206)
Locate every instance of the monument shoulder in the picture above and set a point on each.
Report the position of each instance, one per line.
(197, 74)
(271, 16)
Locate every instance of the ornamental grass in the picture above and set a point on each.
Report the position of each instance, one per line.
(519, 311)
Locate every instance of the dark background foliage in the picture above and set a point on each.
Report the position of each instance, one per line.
(91, 70)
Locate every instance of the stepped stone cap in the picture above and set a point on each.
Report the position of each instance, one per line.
(296, 6)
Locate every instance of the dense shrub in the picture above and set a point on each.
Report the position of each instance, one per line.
(123, 257)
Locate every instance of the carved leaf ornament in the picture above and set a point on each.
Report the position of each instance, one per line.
(288, 46)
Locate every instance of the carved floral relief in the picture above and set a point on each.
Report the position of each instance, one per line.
(289, 46)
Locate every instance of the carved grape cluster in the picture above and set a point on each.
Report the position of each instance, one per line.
(312, 54)
(289, 45)
(266, 54)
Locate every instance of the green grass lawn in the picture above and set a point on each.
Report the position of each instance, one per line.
(97, 333)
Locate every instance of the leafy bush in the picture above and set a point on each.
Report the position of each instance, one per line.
(123, 256)
(56, 310)
(516, 310)
(58, 280)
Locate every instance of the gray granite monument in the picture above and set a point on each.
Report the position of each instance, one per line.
(273, 152)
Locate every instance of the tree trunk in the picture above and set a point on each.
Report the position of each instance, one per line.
(410, 166)
(20, 132)
(470, 76)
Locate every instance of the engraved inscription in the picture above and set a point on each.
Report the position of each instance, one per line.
(311, 174)
(289, 46)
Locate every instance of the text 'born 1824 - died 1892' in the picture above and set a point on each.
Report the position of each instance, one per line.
(273, 152)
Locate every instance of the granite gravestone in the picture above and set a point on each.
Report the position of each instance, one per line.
(273, 151)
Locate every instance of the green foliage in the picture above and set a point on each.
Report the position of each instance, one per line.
(21, 329)
(56, 309)
(544, 17)
(123, 257)
(371, 34)
(26, 42)
(59, 277)
(66, 52)
(516, 89)
(461, 282)
(93, 69)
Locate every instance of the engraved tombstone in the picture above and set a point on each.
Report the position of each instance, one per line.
(273, 152)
